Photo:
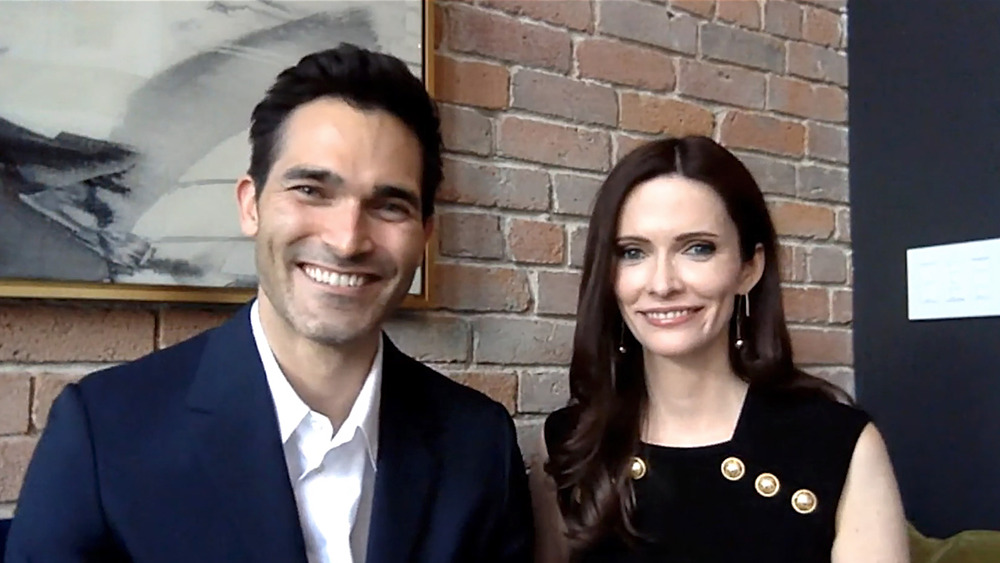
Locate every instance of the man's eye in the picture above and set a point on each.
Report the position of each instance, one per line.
(394, 210)
(306, 190)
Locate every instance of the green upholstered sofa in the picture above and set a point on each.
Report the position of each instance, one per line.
(969, 546)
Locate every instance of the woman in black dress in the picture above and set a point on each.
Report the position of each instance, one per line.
(690, 435)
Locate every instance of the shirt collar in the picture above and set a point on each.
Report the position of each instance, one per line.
(291, 411)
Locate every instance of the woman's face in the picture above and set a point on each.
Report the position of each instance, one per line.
(678, 267)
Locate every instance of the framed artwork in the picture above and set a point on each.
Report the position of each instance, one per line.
(124, 128)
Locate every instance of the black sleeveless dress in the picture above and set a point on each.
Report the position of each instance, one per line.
(769, 495)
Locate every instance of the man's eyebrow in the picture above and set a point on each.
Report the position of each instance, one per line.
(395, 192)
(313, 173)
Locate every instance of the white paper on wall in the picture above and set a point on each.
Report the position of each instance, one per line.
(952, 281)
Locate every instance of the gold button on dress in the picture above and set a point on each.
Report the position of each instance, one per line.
(804, 501)
(767, 484)
(638, 468)
(733, 468)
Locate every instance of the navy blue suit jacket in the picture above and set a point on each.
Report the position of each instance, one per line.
(177, 457)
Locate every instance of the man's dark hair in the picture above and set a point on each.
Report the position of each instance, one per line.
(365, 79)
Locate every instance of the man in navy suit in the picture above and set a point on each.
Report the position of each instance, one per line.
(296, 431)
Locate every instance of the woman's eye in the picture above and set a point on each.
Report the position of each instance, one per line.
(630, 253)
(701, 249)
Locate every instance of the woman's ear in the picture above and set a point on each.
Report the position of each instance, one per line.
(753, 270)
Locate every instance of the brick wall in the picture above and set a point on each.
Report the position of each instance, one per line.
(539, 98)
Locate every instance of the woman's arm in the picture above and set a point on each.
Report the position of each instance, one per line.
(871, 526)
(550, 530)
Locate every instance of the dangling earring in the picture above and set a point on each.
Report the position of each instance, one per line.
(739, 319)
(621, 341)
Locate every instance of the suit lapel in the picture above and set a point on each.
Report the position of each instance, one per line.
(236, 433)
(407, 466)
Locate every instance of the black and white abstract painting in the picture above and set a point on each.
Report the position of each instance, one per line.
(124, 124)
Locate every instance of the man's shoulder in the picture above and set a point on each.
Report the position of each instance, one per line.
(150, 376)
(443, 395)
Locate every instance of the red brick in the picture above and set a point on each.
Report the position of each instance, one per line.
(574, 14)
(817, 101)
(470, 83)
(821, 26)
(47, 388)
(15, 453)
(646, 23)
(733, 45)
(773, 176)
(726, 84)
(528, 429)
(494, 186)
(564, 97)
(577, 246)
(475, 235)
(15, 398)
(843, 225)
(821, 347)
(741, 12)
(824, 183)
(792, 260)
(472, 30)
(827, 142)
(474, 288)
(703, 8)
(783, 18)
(536, 242)
(179, 324)
(764, 133)
(817, 63)
(574, 193)
(806, 304)
(549, 143)
(465, 130)
(625, 143)
(40, 333)
(499, 386)
(802, 219)
(827, 264)
(621, 63)
(557, 293)
(833, 5)
(522, 341)
(430, 338)
(843, 306)
(543, 391)
(664, 116)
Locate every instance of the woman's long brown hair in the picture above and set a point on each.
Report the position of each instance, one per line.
(607, 388)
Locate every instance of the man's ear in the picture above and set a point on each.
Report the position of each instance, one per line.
(753, 270)
(246, 200)
(428, 228)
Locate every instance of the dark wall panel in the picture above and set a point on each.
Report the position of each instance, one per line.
(925, 169)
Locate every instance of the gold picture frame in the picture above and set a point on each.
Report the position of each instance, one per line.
(245, 46)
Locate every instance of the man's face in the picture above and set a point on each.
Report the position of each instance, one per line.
(338, 225)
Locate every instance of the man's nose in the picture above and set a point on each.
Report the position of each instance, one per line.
(346, 230)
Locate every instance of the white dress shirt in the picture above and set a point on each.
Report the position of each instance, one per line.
(332, 471)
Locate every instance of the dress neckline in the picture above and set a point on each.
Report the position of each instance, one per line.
(738, 431)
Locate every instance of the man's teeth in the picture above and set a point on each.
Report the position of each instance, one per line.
(665, 316)
(333, 278)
